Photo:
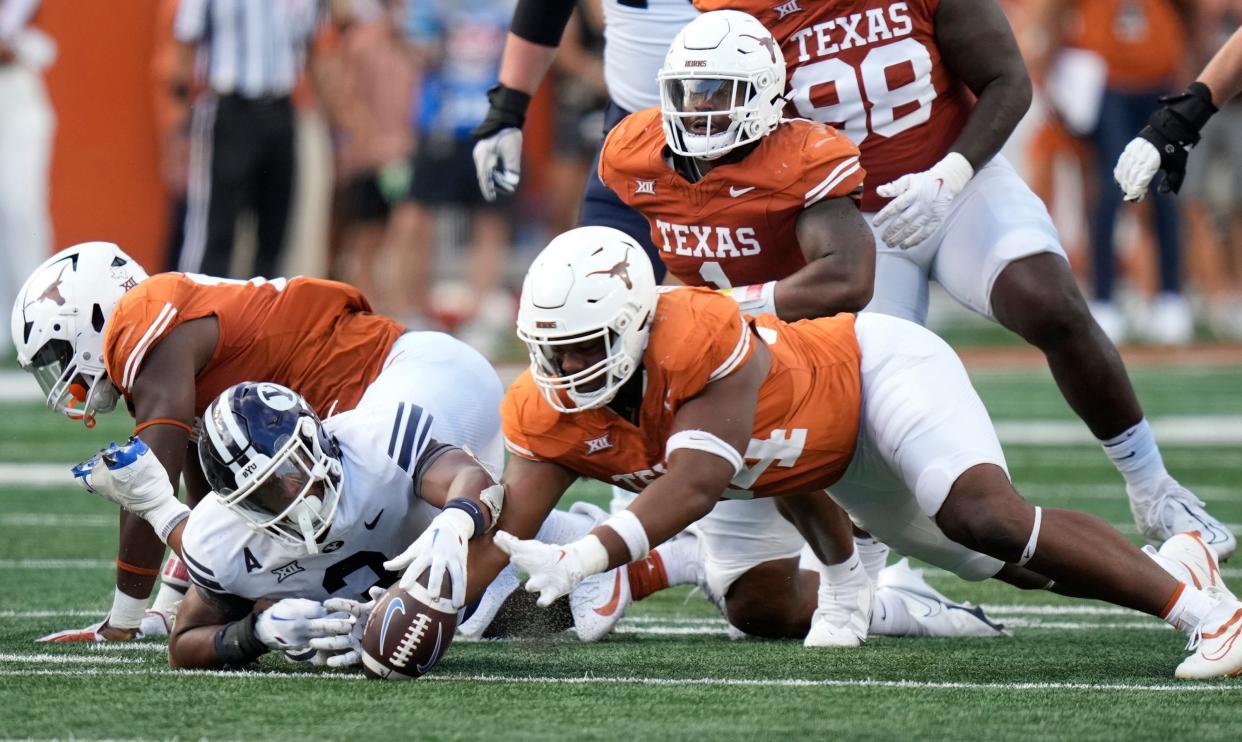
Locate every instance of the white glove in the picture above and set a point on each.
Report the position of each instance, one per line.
(345, 649)
(293, 622)
(554, 570)
(1138, 164)
(442, 548)
(131, 476)
(921, 200)
(498, 162)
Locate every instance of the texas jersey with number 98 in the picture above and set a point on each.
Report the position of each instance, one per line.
(872, 70)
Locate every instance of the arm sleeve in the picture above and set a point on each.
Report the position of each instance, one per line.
(541, 21)
(431, 453)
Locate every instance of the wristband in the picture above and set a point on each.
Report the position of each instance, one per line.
(506, 110)
(127, 611)
(451, 515)
(541, 21)
(236, 643)
(757, 298)
(630, 529)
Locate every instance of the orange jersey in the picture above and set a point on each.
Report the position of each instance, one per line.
(1142, 41)
(738, 225)
(316, 337)
(872, 69)
(806, 421)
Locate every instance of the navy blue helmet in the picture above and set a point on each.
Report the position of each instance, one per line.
(266, 454)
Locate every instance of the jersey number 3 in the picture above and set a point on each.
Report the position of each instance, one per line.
(864, 101)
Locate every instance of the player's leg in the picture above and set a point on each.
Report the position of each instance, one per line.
(999, 255)
(220, 157)
(275, 174)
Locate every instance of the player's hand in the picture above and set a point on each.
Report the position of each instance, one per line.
(498, 141)
(293, 622)
(1137, 165)
(1164, 144)
(131, 476)
(554, 570)
(921, 200)
(442, 548)
(345, 649)
(498, 162)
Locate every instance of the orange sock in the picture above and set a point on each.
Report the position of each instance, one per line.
(647, 576)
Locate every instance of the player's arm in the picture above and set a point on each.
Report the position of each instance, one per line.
(704, 453)
(839, 275)
(978, 46)
(1164, 144)
(530, 49)
(532, 489)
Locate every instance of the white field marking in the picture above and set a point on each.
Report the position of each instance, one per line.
(67, 659)
(1174, 430)
(35, 475)
(1115, 491)
(56, 563)
(1010, 623)
(1188, 687)
(997, 609)
(149, 646)
(97, 612)
(58, 520)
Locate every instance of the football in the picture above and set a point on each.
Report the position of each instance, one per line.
(406, 634)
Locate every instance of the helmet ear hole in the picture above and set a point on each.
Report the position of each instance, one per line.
(97, 318)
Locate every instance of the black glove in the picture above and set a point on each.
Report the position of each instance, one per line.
(1174, 129)
(507, 111)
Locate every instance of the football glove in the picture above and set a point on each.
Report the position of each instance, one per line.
(345, 649)
(554, 570)
(1165, 143)
(442, 548)
(498, 147)
(131, 476)
(293, 622)
(921, 200)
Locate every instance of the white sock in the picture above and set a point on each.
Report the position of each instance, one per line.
(844, 573)
(1189, 609)
(1136, 456)
(680, 556)
(561, 527)
(621, 499)
(873, 553)
(891, 616)
(174, 582)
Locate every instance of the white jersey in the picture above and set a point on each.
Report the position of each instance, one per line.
(637, 35)
(385, 450)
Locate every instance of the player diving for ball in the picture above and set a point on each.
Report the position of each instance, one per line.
(697, 401)
(307, 521)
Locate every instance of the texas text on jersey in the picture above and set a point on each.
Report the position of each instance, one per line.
(738, 224)
(318, 337)
(384, 450)
(806, 423)
(872, 69)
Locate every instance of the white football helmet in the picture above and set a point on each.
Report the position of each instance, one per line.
(588, 283)
(722, 85)
(58, 324)
(266, 454)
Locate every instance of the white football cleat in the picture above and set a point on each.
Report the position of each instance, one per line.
(94, 633)
(1173, 510)
(1217, 642)
(1189, 559)
(933, 613)
(489, 604)
(155, 623)
(843, 614)
(599, 601)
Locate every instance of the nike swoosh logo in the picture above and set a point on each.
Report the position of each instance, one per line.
(734, 191)
(397, 604)
(435, 653)
(610, 607)
(371, 525)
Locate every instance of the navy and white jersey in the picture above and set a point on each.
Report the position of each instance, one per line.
(637, 35)
(385, 450)
(252, 49)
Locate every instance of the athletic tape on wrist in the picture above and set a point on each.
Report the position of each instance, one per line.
(1029, 551)
(701, 440)
(592, 556)
(755, 298)
(630, 529)
(127, 611)
(237, 644)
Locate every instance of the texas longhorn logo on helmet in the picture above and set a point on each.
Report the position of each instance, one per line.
(620, 270)
(52, 292)
(767, 42)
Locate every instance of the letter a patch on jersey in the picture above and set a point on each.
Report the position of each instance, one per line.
(252, 564)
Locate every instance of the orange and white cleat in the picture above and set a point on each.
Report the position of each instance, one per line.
(1191, 560)
(1217, 642)
(598, 603)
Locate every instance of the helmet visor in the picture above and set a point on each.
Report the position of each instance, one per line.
(704, 106)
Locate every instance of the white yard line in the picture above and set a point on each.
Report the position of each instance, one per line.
(56, 563)
(666, 682)
(67, 659)
(57, 520)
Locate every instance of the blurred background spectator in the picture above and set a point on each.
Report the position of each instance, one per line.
(400, 83)
(26, 122)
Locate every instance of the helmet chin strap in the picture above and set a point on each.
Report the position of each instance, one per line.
(304, 513)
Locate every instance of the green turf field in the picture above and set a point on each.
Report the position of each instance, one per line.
(1071, 670)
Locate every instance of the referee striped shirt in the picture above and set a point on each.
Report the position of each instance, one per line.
(251, 48)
